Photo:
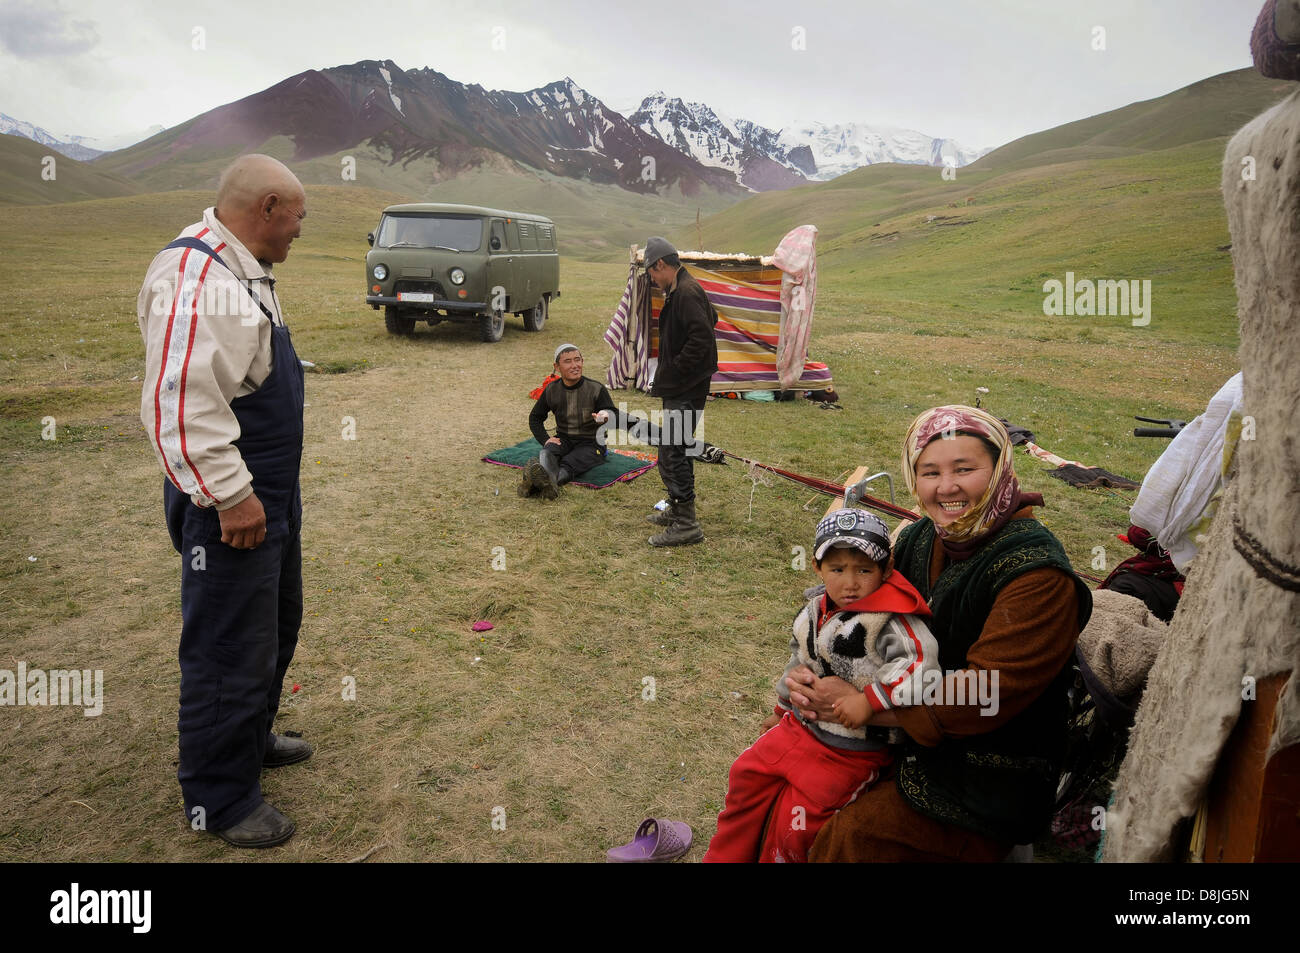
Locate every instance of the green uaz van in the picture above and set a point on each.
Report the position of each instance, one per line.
(430, 262)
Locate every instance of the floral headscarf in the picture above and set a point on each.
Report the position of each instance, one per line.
(1003, 497)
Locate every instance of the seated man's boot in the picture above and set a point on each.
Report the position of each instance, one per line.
(665, 517)
(532, 478)
(684, 531)
(549, 480)
(265, 827)
(281, 751)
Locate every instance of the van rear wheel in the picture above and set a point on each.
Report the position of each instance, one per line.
(396, 322)
(535, 317)
(491, 326)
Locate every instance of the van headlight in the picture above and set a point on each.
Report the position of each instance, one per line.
(457, 276)
(381, 272)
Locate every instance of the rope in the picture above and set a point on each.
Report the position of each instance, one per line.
(825, 486)
(834, 489)
(1265, 564)
(758, 478)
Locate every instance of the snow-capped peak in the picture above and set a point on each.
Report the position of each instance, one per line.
(811, 150)
(839, 148)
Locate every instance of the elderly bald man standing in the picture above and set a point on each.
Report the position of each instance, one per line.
(222, 403)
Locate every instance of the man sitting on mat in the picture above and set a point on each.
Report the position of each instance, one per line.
(580, 406)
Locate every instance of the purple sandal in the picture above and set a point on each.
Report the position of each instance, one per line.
(657, 840)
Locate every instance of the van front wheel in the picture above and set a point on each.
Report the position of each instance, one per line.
(492, 326)
(396, 322)
(535, 317)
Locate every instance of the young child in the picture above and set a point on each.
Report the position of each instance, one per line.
(867, 629)
(580, 406)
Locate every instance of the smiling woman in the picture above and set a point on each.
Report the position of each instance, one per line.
(955, 466)
(952, 475)
(978, 769)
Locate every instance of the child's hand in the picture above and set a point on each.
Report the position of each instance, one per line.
(852, 711)
(770, 722)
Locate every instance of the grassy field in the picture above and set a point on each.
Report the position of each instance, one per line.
(543, 715)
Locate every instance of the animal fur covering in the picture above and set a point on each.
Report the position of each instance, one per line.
(1239, 618)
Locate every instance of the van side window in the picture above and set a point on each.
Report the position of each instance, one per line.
(498, 242)
(546, 238)
(527, 236)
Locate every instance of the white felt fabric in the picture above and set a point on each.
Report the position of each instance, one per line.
(1234, 625)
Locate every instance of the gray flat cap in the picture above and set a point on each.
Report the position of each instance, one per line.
(656, 248)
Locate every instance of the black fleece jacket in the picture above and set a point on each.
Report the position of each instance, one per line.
(688, 353)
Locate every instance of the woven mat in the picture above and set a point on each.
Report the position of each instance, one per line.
(617, 468)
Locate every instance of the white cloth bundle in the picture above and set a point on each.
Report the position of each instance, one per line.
(1174, 504)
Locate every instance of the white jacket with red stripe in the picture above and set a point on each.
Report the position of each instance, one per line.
(206, 342)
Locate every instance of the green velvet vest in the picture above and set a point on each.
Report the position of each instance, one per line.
(1001, 784)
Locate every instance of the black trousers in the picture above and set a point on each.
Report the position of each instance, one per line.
(576, 456)
(1159, 594)
(240, 611)
(677, 446)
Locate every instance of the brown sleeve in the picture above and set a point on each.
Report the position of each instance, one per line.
(1027, 638)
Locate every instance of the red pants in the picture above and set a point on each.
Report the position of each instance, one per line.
(798, 782)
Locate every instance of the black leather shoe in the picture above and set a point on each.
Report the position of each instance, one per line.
(281, 751)
(265, 827)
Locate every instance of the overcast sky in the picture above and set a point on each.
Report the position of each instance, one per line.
(980, 71)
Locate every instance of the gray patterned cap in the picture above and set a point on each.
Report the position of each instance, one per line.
(856, 528)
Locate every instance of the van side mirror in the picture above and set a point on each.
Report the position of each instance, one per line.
(495, 243)
(370, 239)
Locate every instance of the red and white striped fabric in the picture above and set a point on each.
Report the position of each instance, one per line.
(628, 335)
(169, 389)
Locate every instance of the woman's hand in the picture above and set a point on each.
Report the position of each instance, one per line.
(816, 697)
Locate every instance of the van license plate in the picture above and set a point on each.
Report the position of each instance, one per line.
(419, 297)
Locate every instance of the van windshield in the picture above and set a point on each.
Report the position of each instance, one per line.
(430, 231)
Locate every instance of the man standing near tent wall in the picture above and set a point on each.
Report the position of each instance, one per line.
(688, 358)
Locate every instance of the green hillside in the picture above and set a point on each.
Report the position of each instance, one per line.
(22, 164)
(854, 203)
(903, 246)
(867, 195)
(144, 161)
(1210, 109)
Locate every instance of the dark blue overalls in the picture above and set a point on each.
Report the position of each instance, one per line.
(241, 610)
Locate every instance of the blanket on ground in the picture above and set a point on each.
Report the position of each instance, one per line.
(617, 468)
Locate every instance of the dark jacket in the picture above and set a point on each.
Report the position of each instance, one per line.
(688, 353)
(1002, 783)
(572, 407)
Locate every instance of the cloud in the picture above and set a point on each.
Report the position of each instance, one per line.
(30, 30)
